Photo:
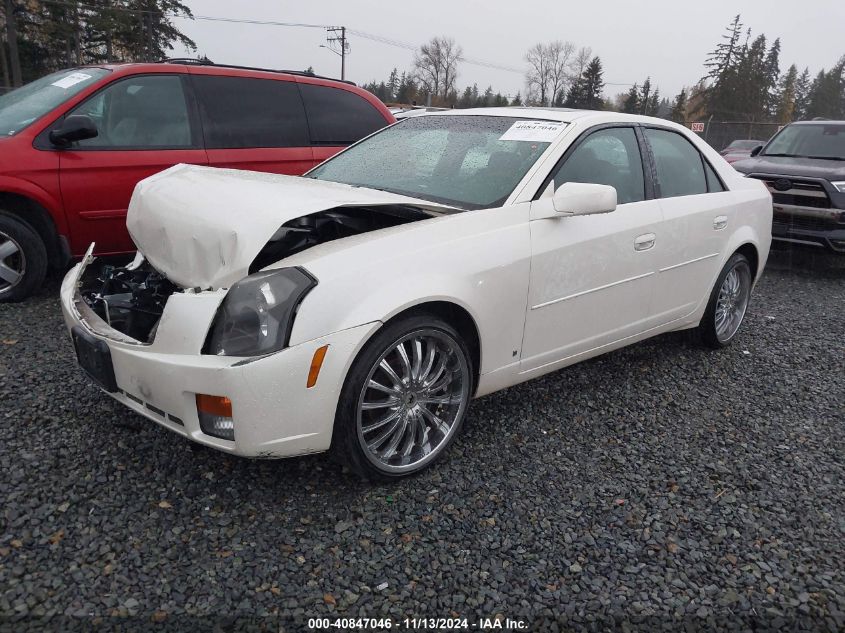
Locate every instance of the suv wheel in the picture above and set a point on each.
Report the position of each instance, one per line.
(23, 259)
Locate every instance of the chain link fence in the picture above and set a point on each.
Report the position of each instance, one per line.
(719, 134)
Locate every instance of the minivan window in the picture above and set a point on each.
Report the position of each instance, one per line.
(22, 107)
(339, 117)
(241, 112)
(680, 169)
(147, 111)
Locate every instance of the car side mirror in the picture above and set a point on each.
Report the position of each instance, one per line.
(575, 198)
(756, 150)
(77, 127)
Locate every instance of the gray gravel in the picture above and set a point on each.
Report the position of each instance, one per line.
(661, 486)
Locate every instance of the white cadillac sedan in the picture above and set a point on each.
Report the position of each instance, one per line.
(360, 308)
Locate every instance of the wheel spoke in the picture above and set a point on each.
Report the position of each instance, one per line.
(435, 421)
(367, 428)
(8, 274)
(406, 363)
(7, 249)
(382, 404)
(398, 434)
(394, 377)
(417, 358)
(380, 439)
(372, 384)
(410, 434)
(429, 362)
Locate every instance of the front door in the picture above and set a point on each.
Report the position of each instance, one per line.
(144, 126)
(592, 276)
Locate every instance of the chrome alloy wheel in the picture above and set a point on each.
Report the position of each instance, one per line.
(733, 301)
(12, 263)
(413, 400)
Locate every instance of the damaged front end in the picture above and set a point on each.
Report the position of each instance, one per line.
(130, 299)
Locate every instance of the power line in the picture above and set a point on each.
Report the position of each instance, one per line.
(362, 34)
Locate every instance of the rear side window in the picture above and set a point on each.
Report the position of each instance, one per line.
(680, 168)
(713, 182)
(339, 117)
(241, 112)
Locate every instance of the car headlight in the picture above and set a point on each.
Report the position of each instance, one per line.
(840, 186)
(256, 317)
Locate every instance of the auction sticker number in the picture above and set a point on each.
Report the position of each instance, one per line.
(533, 131)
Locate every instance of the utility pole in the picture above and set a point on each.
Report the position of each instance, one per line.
(344, 46)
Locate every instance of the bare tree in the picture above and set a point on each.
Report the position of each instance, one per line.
(548, 72)
(581, 61)
(436, 66)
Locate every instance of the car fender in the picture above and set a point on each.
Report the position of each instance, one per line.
(36, 194)
(480, 263)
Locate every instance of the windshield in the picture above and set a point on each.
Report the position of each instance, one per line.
(743, 145)
(470, 162)
(816, 140)
(27, 104)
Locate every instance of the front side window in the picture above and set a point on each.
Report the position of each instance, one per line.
(339, 117)
(23, 106)
(460, 161)
(680, 168)
(147, 111)
(243, 112)
(607, 157)
(824, 141)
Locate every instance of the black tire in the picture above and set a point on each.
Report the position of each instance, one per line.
(347, 439)
(29, 258)
(708, 331)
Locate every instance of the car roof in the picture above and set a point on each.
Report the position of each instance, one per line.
(564, 115)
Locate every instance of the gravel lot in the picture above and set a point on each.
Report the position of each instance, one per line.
(662, 484)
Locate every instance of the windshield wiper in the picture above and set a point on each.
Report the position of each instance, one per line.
(784, 155)
(828, 157)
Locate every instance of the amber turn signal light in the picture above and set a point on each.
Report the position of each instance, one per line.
(214, 405)
(316, 364)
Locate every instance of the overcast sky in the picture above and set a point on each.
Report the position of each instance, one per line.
(667, 39)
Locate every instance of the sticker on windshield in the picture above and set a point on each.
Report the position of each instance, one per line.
(533, 131)
(71, 80)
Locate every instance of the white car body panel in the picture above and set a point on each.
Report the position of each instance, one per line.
(542, 293)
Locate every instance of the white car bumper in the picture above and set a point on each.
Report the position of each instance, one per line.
(274, 413)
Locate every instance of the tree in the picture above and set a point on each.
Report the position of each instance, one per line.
(679, 107)
(631, 103)
(827, 93)
(517, 100)
(548, 70)
(11, 11)
(802, 95)
(786, 97)
(586, 91)
(436, 66)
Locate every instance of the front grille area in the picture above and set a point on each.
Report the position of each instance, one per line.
(799, 222)
(801, 193)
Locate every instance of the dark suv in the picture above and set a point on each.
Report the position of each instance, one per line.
(74, 144)
(803, 166)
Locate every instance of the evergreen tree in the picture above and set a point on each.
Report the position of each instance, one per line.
(517, 100)
(827, 94)
(631, 104)
(679, 107)
(393, 84)
(802, 95)
(586, 91)
(772, 76)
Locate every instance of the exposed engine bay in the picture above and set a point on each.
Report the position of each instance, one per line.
(131, 298)
(317, 228)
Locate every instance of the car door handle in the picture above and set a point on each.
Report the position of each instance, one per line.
(720, 222)
(644, 242)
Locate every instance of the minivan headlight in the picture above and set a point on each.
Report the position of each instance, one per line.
(256, 317)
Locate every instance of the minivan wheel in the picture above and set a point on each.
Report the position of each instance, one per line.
(728, 303)
(23, 259)
(404, 399)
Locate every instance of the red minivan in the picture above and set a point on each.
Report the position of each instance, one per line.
(74, 144)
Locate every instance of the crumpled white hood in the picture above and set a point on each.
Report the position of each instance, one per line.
(202, 226)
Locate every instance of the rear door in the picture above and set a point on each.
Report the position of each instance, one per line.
(253, 123)
(337, 118)
(145, 123)
(697, 213)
